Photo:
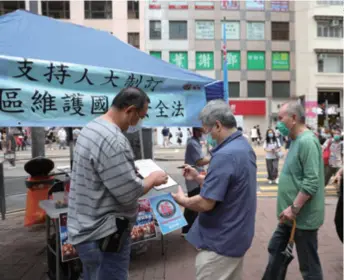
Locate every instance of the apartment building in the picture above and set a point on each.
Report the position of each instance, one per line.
(260, 48)
(319, 64)
(124, 19)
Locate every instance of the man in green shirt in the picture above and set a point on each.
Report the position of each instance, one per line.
(300, 196)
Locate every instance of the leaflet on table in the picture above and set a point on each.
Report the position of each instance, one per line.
(68, 251)
(167, 213)
(144, 228)
(147, 166)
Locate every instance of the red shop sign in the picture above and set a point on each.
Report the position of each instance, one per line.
(248, 107)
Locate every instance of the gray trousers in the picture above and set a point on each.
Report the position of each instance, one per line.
(272, 167)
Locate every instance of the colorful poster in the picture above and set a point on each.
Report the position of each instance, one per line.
(48, 93)
(167, 213)
(204, 5)
(230, 4)
(68, 251)
(311, 108)
(255, 5)
(144, 228)
(180, 59)
(178, 5)
(233, 60)
(279, 6)
(255, 60)
(204, 60)
(205, 29)
(255, 30)
(232, 30)
(154, 4)
(280, 61)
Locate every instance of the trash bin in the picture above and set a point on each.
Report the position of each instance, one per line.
(38, 185)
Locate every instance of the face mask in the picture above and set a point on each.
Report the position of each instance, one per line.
(135, 128)
(283, 129)
(270, 135)
(336, 138)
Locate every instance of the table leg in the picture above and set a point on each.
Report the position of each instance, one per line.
(162, 245)
(57, 246)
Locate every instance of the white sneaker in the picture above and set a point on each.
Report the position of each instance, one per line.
(276, 181)
(270, 182)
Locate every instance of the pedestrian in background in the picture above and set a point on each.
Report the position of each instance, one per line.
(333, 146)
(300, 196)
(224, 228)
(272, 147)
(166, 136)
(62, 136)
(105, 188)
(194, 156)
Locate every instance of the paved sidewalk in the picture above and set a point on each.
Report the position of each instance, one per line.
(22, 257)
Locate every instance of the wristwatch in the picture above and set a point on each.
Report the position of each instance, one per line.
(295, 209)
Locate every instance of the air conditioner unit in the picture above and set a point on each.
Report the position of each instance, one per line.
(335, 23)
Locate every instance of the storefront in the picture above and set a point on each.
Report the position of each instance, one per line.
(253, 113)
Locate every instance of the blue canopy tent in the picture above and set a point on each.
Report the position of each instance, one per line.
(27, 35)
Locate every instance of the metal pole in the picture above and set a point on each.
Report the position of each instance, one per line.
(38, 142)
(71, 145)
(141, 144)
(2, 192)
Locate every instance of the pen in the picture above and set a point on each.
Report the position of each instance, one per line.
(181, 167)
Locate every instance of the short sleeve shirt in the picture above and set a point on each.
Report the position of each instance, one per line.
(228, 229)
(193, 153)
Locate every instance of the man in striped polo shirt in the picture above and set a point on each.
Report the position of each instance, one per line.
(105, 188)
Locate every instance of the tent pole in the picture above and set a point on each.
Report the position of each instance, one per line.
(71, 146)
(141, 144)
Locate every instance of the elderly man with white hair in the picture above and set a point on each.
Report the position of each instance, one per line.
(224, 229)
(300, 196)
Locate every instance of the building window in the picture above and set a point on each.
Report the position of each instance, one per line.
(255, 5)
(255, 60)
(155, 29)
(330, 63)
(178, 30)
(280, 31)
(178, 5)
(133, 10)
(255, 30)
(232, 30)
(98, 9)
(280, 61)
(156, 54)
(256, 89)
(281, 89)
(205, 29)
(233, 60)
(279, 6)
(11, 6)
(180, 59)
(234, 89)
(229, 4)
(330, 2)
(330, 28)
(204, 60)
(56, 9)
(134, 39)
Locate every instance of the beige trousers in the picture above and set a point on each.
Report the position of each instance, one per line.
(211, 266)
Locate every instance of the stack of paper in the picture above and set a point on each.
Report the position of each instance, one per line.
(147, 166)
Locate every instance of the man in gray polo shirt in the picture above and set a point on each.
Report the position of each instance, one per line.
(193, 156)
(105, 189)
